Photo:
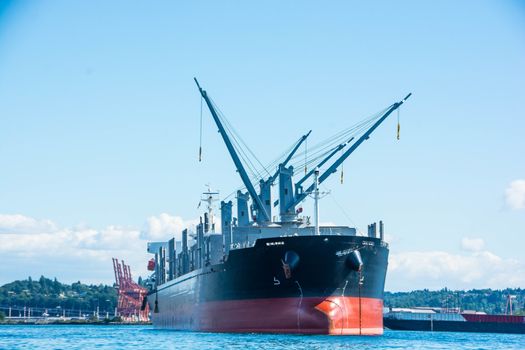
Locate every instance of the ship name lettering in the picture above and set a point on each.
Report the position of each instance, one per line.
(344, 252)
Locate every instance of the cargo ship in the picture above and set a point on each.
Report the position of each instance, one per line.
(273, 274)
(437, 320)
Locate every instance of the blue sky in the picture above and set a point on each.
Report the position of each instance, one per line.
(99, 125)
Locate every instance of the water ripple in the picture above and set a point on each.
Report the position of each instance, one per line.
(144, 338)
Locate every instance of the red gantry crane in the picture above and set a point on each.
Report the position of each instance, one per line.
(130, 295)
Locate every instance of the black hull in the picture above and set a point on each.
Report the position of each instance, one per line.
(252, 292)
(454, 326)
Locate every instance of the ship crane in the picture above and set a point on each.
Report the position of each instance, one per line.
(235, 157)
(290, 195)
(300, 196)
(292, 153)
(265, 186)
(285, 184)
(298, 184)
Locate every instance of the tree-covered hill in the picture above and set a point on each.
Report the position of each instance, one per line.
(51, 294)
(487, 300)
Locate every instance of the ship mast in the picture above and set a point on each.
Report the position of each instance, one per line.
(316, 201)
(209, 199)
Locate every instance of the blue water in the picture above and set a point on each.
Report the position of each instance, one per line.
(145, 337)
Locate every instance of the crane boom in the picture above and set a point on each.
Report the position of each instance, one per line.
(299, 143)
(326, 159)
(348, 152)
(235, 157)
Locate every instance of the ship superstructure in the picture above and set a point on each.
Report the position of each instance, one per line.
(279, 274)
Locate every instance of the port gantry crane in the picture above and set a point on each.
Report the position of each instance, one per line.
(130, 294)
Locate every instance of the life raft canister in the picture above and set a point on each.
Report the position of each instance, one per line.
(151, 265)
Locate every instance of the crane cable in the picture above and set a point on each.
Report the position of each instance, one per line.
(319, 150)
(327, 146)
(200, 136)
(342, 173)
(243, 147)
(305, 156)
(398, 124)
(338, 138)
(237, 142)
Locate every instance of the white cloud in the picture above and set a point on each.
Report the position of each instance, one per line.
(15, 223)
(40, 247)
(161, 226)
(515, 194)
(472, 244)
(438, 269)
(165, 226)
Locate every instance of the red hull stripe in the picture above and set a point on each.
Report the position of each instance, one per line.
(333, 315)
